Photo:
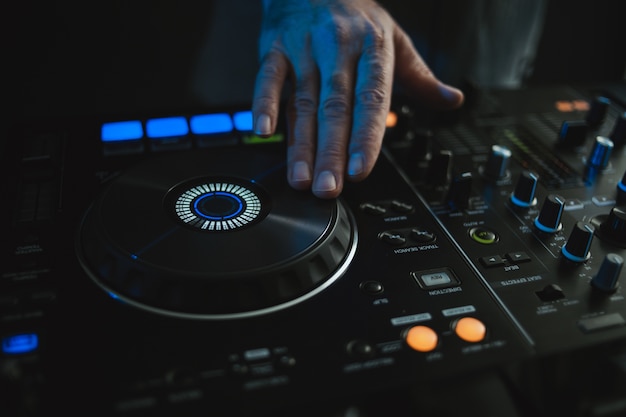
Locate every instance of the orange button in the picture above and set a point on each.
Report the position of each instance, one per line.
(470, 329)
(392, 119)
(421, 338)
(564, 106)
(581, 105)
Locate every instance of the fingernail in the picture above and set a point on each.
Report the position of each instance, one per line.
(355, 164)
(263, 125)
(325, 182)
(300, 172)
(450, 93)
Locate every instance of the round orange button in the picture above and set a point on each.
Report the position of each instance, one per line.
(470, 329)
(421, 338)
(392, 119)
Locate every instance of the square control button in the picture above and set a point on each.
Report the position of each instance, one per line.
(435, 278)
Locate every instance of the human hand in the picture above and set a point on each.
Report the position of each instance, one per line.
(341, 56)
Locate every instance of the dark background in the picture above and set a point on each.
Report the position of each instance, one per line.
(69, 58)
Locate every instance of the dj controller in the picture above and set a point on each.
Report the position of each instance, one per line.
(161, 265)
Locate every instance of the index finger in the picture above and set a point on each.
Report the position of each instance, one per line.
(266, 100)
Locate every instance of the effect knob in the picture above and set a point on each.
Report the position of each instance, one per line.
(618, 136)
(597, 111)
(549, 219)
(598, 160)
(440, 168)
(577, 247)
(524, 194)
(607, 278)
(459, 191)
(573, 133)
(600, 153)
(498, 162)
(621, 190)
(614, 227)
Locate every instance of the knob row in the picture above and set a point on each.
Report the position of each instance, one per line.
(574, 132)
(526, 187)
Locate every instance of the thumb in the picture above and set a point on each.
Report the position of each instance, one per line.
(412, 72)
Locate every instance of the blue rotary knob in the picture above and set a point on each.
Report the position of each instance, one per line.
(614, 227)
(573, 133)
(608, 275)
(618, 136)
(459, 192)
(549, 219)
(577, 248)
(600, 152)
(497, 162)
(524, 194)
(621, 190)
(597, 111)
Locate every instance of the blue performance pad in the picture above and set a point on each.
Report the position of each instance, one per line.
(243, 120)
(21, 343)
(121, 131)
(167, 127)
(207, 124)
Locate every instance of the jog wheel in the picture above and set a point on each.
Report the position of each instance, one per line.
(214, 235)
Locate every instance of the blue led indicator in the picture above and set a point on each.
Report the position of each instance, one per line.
(121, 131)
(243, 120)
(228, 206)
(167, 127)
(20, 344)
(207, 124)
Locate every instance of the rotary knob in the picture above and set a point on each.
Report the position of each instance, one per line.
(618, 136)
(607, 278)
(597, 111)
(621, 190)
(497, 162)
(440, 168)
(614, 227)
(577, 247)
(573, 133)
(549, 219)
(524, 194)
(600, 153)
(459, 191)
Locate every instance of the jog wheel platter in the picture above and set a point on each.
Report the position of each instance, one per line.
(211, 237)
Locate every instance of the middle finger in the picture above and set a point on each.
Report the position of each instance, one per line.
(337, 67)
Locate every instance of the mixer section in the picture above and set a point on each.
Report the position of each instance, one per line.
(532, 186)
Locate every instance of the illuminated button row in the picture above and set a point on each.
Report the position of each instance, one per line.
(170, 127)
(425, 339)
